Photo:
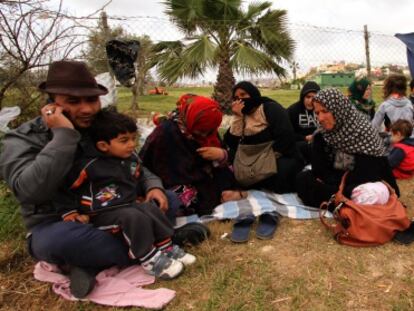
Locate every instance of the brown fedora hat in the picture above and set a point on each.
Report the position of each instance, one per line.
(71, 78)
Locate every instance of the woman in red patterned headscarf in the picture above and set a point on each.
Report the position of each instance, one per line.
(199, 118)
(186, 152)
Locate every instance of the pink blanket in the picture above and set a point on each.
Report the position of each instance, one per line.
(113, 287)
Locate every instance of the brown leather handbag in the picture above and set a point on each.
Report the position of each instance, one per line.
(363, 224)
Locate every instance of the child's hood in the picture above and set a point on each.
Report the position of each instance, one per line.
(399, 102)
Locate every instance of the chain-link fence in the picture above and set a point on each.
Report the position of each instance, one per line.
(270, 53)
(316, 49)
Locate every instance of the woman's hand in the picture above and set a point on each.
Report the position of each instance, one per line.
(236, 107)
(211, 153)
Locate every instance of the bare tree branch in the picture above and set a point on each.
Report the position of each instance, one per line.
(31, 36)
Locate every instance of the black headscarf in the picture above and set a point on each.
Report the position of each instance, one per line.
(352, 133)
(255, 97)
(309, 86)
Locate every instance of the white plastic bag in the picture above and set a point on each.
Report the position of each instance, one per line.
(106, 80)
(8, 114)
(371, 193)
(145, 127)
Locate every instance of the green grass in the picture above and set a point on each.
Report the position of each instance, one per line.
(302, 268)
(165, 103)
(10, 222)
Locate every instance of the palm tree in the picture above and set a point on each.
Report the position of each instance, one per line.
(142, 67)
(219, 33)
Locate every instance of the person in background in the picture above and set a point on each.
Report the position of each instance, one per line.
(360, 95)
(401, 157)
(303, 119)
(412, 91)
(345, 142)
(396, 105)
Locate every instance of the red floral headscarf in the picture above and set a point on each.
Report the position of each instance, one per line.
(199, 114)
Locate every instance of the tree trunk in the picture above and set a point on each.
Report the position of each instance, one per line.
(141, 82)
(134, 101)
(225, 82)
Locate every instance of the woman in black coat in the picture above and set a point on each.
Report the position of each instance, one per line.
(345, 141)
(260, 120)
(264, 120)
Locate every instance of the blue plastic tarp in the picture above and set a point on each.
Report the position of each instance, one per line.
(408, 39)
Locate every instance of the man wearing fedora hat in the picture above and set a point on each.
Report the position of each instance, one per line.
(34, 161)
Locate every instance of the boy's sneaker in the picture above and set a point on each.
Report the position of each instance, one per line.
(180, 255)
(163, 267)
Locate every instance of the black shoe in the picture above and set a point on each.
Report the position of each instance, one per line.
(192, 233)
(82, 281)
(406, 236)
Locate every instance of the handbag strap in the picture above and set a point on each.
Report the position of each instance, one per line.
(333, 228)
(342, 185)
(244, 126)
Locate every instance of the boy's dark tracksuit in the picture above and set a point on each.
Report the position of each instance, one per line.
(107, 189)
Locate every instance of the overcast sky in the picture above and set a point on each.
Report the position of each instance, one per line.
(314, 46)
(385, 16)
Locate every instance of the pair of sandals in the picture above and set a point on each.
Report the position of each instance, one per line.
(265, 229)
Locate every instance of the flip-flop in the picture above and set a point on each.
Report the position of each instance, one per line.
(267, 226)
(406, 236)
(241, 229)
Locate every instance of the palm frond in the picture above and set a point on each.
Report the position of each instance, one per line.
(177, 68)
(222, 10)
(186, 14)
(163, 51)
(189, 61)
(170, 46)
(256, 9)
(247, 59)
(202, 50)
(270, 34)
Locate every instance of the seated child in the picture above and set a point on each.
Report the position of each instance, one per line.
(107, 181)
(401, 157)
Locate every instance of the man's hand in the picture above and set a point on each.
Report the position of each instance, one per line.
(53, 116)
(159, 196)
(309, 138)
(211, 153)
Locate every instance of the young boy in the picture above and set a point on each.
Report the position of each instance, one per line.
(107, 181)
(401, 157)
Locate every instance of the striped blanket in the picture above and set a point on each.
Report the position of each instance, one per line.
(257, 203)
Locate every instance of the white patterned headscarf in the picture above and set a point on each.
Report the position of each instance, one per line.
(352, 133)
